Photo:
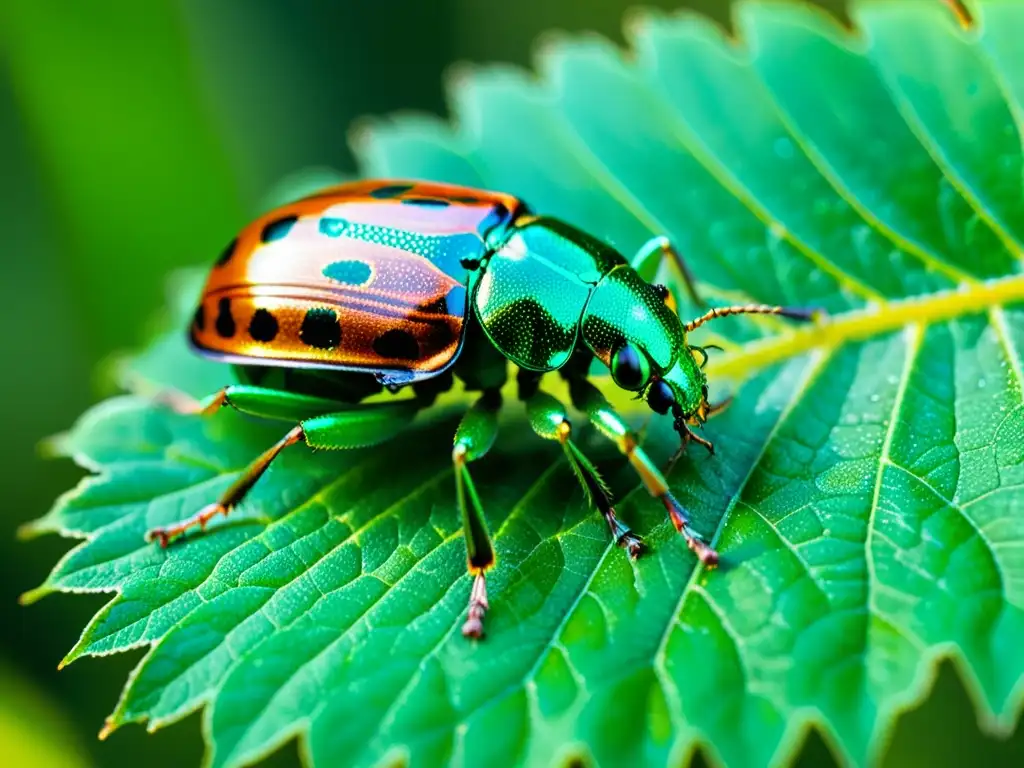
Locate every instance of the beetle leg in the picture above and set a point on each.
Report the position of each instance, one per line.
(266, 403)
(654, 253)
(716, 408)
(589, 399)
(473, 439)
(549, 420)
(232, 496)
(168, 397)
(356, 427)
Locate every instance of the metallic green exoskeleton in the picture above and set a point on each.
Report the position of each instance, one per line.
(403, 286)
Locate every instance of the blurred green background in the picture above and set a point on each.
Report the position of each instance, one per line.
(135, 138)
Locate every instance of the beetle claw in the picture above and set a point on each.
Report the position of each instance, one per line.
(632, 543)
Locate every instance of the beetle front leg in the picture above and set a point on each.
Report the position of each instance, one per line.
(356, 427)
(658, 251)
(589, 399)
(473, 439)
(549, 420)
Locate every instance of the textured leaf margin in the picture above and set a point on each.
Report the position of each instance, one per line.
(869, 491)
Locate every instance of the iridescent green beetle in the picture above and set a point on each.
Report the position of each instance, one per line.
(403, 285)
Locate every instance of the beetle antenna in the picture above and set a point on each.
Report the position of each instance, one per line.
(794, 313)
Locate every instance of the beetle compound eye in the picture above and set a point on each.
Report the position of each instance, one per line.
(660, 397)
(630, 368)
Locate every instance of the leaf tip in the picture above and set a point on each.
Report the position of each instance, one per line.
(35, 595)
(31, 530)
(109, 726)
(54, 446)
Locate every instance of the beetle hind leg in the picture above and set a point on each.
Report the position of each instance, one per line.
(167, 397)
(232, 496)
(357, 426)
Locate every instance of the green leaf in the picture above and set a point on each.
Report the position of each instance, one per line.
(867, 492)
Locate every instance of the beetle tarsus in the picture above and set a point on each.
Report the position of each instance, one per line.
(201, 518)
(474, 626)
(686, 435)
(704, 552)
(622, 535)
(632, 543)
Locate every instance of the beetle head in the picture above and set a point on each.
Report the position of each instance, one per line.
(682, 390)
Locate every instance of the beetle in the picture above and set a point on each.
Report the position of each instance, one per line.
(404, 285)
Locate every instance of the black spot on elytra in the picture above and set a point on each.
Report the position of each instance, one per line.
(320, 328)
(263, 325)
(199, 320)
(278, 229)
(225, 322)
(397, 344)
(426, 202)
(394, 190)
(227, 253)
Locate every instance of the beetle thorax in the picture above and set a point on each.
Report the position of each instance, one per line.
(624, 309)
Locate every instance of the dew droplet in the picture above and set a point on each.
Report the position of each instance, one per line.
(784, 148)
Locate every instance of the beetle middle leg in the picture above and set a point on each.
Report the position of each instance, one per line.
(549, 420)
(589, 399)
(356, 427)
(473, 439)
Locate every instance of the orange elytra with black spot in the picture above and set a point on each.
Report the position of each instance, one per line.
(370, 276)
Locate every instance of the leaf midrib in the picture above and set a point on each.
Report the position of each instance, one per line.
(872, 321)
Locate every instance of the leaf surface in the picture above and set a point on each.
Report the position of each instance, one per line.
(868, 491)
